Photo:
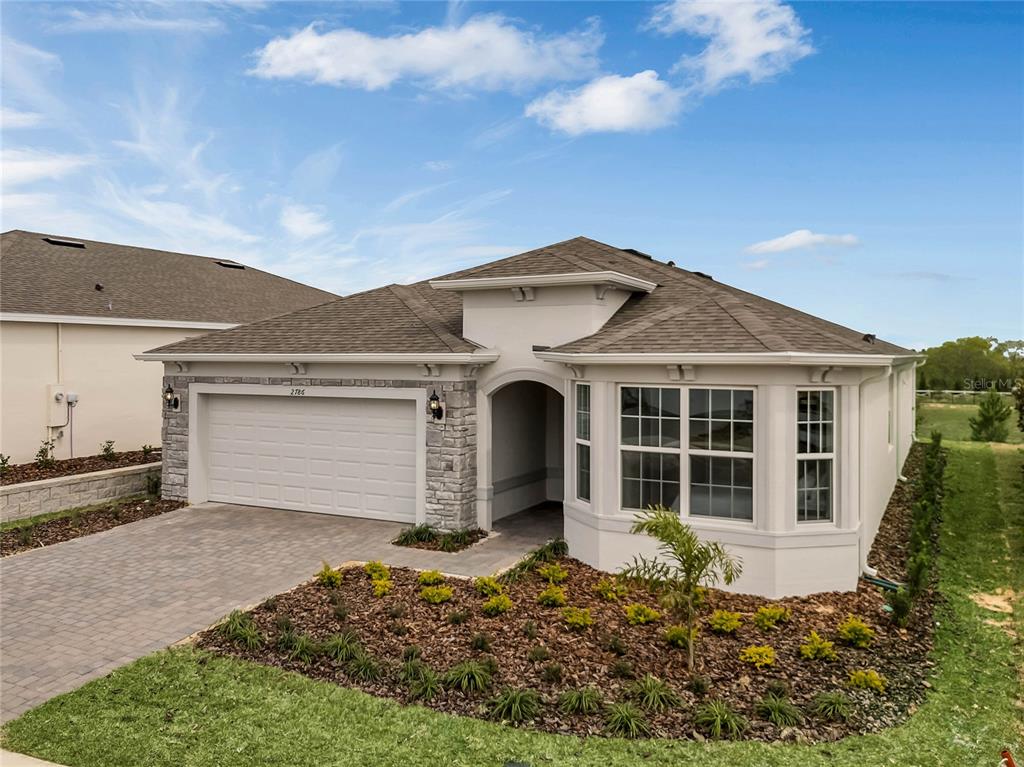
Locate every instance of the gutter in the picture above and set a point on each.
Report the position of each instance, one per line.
(76, 319)
(482, 357)
(715, 358)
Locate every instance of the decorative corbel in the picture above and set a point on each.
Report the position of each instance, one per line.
(820, 374)
(600, 290)
(182, 366)
(517, 294)
(298, 368)
(527, 293)
(689, 372)
(577, 371)
(470, 371)
(430, 370)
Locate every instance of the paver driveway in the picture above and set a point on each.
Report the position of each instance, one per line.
(76, 610)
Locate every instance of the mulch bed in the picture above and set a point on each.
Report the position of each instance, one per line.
(900, 655)
(30, 472)
(86, 523)
(437, 544)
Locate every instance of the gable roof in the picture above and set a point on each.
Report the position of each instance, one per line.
(38, 276)
(686, 313)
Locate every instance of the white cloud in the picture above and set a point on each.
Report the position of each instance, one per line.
(757, 265)
(437, 165)
(130, 20)
(406, 197)
(611, 103)
(13, 118)
(23, 166)
(747, 40)
(486, 52)
(802, 239)
(302, 222)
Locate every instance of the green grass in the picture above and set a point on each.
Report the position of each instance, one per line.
(184, 708)
(17, 524)
(951, 420)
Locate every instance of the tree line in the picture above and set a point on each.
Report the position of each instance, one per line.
(972, 364)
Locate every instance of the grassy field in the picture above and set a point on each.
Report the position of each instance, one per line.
(181, 708)
(952, 421)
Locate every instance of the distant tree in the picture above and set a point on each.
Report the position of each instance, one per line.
(990, 423)
(972, 363)
(1018, 401)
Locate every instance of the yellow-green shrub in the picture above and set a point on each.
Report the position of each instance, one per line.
(552, 596)
(377, 571)
(816, 647)
(496, 605)
(867, 679)
(435, 595)
(329, 577)
(856, 633)
(638, 614)
(430, 578)
(610, 590)
(680, 636)
(382, 587)
(724, 622)
(768, 617)
(486, 586)
(552, 572)
(758, 656)
(577, 618)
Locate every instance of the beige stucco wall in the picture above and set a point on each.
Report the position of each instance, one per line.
(119, 397)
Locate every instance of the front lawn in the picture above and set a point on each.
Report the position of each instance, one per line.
(187, 707)
(952, 421)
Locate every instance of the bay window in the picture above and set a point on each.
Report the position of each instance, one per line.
(815, 455)
(649, 429)
(583, 441)
(721, 446)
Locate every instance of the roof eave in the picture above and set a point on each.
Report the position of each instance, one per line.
(481, 357)
(730, 358)
(611, 278)
(88, 319)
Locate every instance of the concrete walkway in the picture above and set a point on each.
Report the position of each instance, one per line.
(76, 610)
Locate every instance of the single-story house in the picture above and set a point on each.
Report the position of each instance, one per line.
(73, 313)
(579, 374)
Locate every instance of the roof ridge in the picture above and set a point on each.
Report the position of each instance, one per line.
(644, 322)
(750, 322)
(428, 315)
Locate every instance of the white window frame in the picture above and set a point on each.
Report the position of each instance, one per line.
(578, 441)
(684, 453)
(830, 456)
(712, 453)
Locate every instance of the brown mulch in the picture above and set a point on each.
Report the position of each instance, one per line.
(891, 546)
(472, 536)
(30, 472)
(87, 522)
(388, 625)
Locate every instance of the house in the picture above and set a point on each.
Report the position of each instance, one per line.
(579, 374)
(72, 314)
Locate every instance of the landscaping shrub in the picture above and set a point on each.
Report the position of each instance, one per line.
(342, 647)
(831, 706)
(769, 616)
(625, 720)
(430, 578)
(917, 573)
(107, 450)
(239, 628)
(486, 586)
(652, 694)
(549, 552)
(622, 668)
(396, 611)
(758, 656)
(481, 642)
(717, 719)
(867, 679)
(816, 647)
(377, 571)
(990, 423)
(153, 485)
(496, 605)
(363, 668)
(777, 688)
(453, 541)
(5, 464)
(25, 535)
(513, 705)
(235, 621)
(552, 672)
(411, 670)
(552, 572)
(147, 451)
(577, 618)
(615, 644)
(699, 685)
(412, 652)
(856, 633)
(552, 596)
(490, 664)
(638, 614)
(725, 622)
(538, 654)
(416, 534)
(468, 677)
(426, 686)
(610, 590)
(436, 595)
(286, 639)
(530, 630)
(900, 602)
(44, 455)
(398, 628)
(328, 577)
(457, 617)
(585, 700)
(680, 637)
(779, 711)
(304, 649)
(382, 587)
(341, 611)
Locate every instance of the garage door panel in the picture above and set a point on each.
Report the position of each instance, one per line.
(336, 455)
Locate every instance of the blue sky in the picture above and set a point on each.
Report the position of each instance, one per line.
(861, 161)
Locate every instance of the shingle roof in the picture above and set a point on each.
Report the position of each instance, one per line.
(687, 313)
(38, 277)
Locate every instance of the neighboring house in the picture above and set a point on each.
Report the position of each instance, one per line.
(74, 312)
(577, 373)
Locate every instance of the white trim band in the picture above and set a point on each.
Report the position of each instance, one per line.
(75, 319)
(727, 358)
(451, 358)
(613, 279)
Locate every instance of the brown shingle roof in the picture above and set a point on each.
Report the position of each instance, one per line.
(38, 277)
(686, 313)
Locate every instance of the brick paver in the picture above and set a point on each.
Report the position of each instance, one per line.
(74, 611)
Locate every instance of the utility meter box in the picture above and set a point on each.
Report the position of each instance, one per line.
(57, 412)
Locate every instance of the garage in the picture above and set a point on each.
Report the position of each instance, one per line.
(352, 456)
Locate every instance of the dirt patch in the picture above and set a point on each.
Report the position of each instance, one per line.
(31, 472)
(86, 523)
(999, 602)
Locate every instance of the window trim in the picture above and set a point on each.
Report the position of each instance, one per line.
(577, 440)
(684, 454)
(832, 456)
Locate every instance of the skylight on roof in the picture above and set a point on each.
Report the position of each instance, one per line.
(64, 243)
(231, 265)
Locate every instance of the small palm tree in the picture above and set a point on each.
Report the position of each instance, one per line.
(685, 565)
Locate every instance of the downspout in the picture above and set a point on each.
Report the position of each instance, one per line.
(866, 569)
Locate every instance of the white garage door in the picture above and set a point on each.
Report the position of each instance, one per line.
(348, 456)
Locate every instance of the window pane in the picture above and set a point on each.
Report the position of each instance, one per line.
(700, 501)
(802, 406)
(813, 441)
(631, 464)
(826, 405)
(583, 397)
(814, 494)
(743, 404)
(721, 403)
(670, 495)
(651, 493)
(814, 400)
(743, 503)
(649, 402)
(670, 432)
(826, 438)
(699, 403)
(743, 436)
(721, 435)
(583, 471)
(630, 400)
(631, 494)
(650, 465)
(801, 438)
(670, 403)
(630, 430)
(700, 469)
(670, 467)
(649, 432)
(742, 472)
(583, 425)
(721, 471)
(700, 434)
(721, 502)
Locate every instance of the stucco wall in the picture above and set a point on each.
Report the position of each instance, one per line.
(29, 499)
(119, 397)
(450, 444)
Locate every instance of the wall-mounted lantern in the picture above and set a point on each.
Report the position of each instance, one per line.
(436, 410)
(171, 401)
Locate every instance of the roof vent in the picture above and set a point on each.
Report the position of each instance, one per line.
(671, 263)
(870, 337)
(640, 253)
(63, 243)
(99, 286)
(705, 276)
(231, 265)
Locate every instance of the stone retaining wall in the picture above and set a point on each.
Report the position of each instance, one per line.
(27, 499)
(451, 443)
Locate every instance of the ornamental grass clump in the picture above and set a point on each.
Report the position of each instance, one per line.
(577, 618)
(725, 622)
(552, 572)
(364, 668)
(342, 647)
(481, 642)
(514, 705)
(717, 720)
(496, 605)
(552, 596)
(552, 672)
(239, 629)
(685, 566)
(585, 700)
(779, 711)
(816, 647)
(486, 586)
(430, 578)
(425, 685)
(758, 656)
(436, 595)
(867, 679)
(457, 617)
(625, 720)
(856, 633)
(610, 590)
(768, 617)
(652, 694)
(831, 706)
(416, 534)
(328, 577)
(638, 614)
(304, 649)
(538, 654)
(468, 677)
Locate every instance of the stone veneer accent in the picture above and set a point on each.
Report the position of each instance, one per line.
(29, 499)
(451, 444)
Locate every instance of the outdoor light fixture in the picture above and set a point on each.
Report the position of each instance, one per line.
(171, 400)
(435, 406)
